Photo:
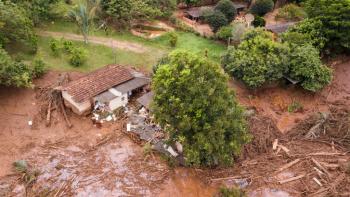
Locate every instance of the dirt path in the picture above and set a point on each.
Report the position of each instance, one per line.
(109, 42)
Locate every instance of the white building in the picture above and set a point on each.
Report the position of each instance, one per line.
(111, 85)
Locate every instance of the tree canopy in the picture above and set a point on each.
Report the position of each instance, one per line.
(194, 105)
(335, 18)
(16, 26)
(259, 60)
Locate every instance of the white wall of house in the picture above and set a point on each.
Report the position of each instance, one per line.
(78, 108)
(120, 101)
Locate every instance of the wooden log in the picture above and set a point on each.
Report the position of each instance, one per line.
(317, 181)
(320, 167)
(325, 154)
(274, 145)
(69, 124)
(288, 165)
(226, 178)
(292, 179)
(48, 116)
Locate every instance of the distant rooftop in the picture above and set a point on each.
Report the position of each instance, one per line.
(279, 28)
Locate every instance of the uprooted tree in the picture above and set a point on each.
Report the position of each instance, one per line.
(193, 104)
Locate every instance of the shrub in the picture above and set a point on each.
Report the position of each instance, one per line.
(231, 192)
(257, 60)
(295, 106)
(227, 8)
(55, 47)
(259, 21)
(68, 46)
(291, 12)
(38, 68)
(224, 33)
(261, 7)
(162, 61)
(239, 30)
(306, 67)
(193, 103)
(78, 57)
(295, 38)
(216, 20)
(173, 37)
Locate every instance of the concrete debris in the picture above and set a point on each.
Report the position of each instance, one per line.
(171, 150)
(179, 147)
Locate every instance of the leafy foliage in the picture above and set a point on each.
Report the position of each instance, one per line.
(231, 192)
(291, 12)
(123, 12)
(335, 18)
(227, 8)
(38, 10)
(261, 7)
(55, 47)
(16, 26)
(257, 60)
(193, 103)
(306, 67)
(225, 33)
(38, 68)
(78, 57)
(13, 73)
(313, 32)
(216, 20)
(173, 39)
(259, 21)
(83, 15)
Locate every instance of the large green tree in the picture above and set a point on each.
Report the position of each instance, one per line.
(38, 10)
(227, 8)
(16, 27)
(123, 12)
(335, 18)
(257, 60)
(194, 104)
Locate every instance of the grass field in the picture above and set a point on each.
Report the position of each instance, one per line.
(99, 56)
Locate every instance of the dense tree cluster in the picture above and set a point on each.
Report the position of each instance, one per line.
(259, 60)
(194, 104)
(223, 13)
(16, 27)
(261, 7)
(123, 12)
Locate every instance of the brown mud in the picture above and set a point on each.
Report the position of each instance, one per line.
(86, 160)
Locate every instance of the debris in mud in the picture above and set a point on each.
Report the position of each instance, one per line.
(50, 98)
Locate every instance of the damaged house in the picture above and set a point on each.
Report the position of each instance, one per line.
(111, 85)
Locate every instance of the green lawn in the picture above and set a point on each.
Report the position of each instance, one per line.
(101, 55)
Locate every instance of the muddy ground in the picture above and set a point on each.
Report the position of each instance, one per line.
(90, 161)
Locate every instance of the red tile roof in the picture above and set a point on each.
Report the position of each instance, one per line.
(97, 82)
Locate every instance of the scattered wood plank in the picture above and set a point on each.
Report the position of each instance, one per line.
(226, 178)
(285, 149)
(292, 179)
(320, 167)
(317, 181)
(48, 116)
(69, 124)
(288, 165)
(274, 145)
(325, 154)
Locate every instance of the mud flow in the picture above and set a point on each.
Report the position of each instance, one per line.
(299, 152)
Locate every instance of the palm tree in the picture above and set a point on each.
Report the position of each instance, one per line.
(83, 15)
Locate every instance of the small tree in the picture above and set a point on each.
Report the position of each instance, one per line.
(78, 57)
(38, 68)
(193, 103)
(261, 7)
(83, 15)
(257, 60)
(306, 67)
(216, 20)
(173, 37)
(224, 33)
(259, 21)
(227, 8)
